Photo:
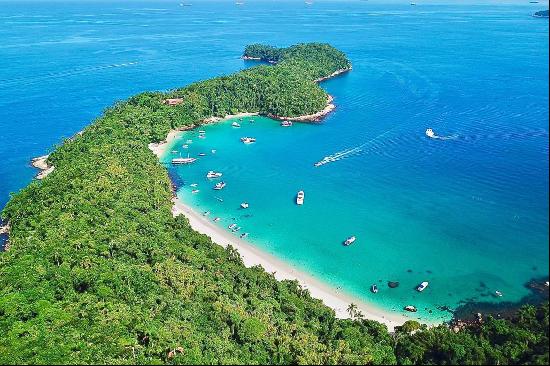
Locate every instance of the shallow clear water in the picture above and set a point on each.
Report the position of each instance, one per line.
(469, 213)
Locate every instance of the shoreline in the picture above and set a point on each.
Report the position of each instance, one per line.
(251, 256)
(42, 164)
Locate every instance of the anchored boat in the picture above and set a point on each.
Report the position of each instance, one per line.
(187, 160)
(219, 186)
(300, 198)
(374, 289)
(422, 286)
(212, 174)
(350, 240)
(248, 140)
(410, 308)
(244, 205)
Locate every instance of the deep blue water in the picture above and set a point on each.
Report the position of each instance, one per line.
(455, 212)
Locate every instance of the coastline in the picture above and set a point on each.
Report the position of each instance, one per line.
(42, 164)
(332, 297)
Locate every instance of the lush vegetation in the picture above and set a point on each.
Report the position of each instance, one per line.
(99, 271)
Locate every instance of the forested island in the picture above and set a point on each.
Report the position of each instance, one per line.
(100, 271)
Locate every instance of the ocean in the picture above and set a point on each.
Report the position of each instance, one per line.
(467, 212)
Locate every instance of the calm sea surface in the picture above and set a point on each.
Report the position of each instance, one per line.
(468, 213)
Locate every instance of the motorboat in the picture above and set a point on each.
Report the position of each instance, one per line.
(410, 308)
(300, 198)
(235, 124)
(248, 140)
(202, 132)
(350, 240)
(185, 146)
(286, 124)
(498, 294)
(213, 151)
(206, 213)
(195, 191)
(216, 219)
(244, 205)
(193, 185)
(232, 226)
(430, 133)
(202, 154)
(243, 235)
(219, 186)
(187, 160)
(422, 286)
(174, 151)
(235, 229)
(374, 289)
(189, 141)
(212, 174)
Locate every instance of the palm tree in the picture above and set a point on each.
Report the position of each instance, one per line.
(352, 310)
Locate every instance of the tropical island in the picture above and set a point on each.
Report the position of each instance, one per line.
(100, 271)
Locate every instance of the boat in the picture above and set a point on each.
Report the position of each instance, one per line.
(219, 186)
(174, 151)
(216, 219)
(300, 198)
(430, 133)
(498, 294)
(232, 226)
(206, 213)
(422, 286)
(244, 205)
(248, 140)
(213, 151)
(189, 141)
(193, 185)
(235, 124)
(202, 136)
(374, 289)
(410, 308)
(235, 229)
(212, 174)
(413, 3)
(219, 199)
(243, 235)
(202, 154)
(350, 240)
(202, 132)
(187, 160)
(195, 191)
(286, 123)
(185, 146)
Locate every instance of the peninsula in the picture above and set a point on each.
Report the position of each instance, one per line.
(99, 270)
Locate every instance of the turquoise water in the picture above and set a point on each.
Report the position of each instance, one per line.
(468, 214)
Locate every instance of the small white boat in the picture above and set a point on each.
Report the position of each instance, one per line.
(235, 229)
(202, 136)
(300, 198)
(212, 174)
(193, 185)
(430, 133)
(216, 219)
(202, 154)
(185, 146)
(286, 123)
(350, 240)
(219, 186)
(232, 226)
(235, 124)
(189, 141)
(422, 286)
(179, 161)
(213, 151)
(206, 213)
(244, 205)
(202, 132)
(374, 289)
(174, 151)
(410, 308)
(498, 294)
(244, 235)
(248, 140)
(195, 191)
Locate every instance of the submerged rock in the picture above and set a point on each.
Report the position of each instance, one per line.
(393, 284)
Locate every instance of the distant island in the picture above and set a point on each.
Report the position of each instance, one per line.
(541, 14)
(99, 270)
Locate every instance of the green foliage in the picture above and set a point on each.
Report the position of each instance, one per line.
(99, 271)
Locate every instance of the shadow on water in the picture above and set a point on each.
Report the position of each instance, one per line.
(469, 309)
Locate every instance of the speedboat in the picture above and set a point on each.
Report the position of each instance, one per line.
(243, 235)
(216, 219)
(374, 289)
(174, 151)
(350, 240)
(498, 294)
(195, 191)
(235, 124)
(202, 154)
(213, 151)
(410, 308)
(244, 205)
(189, 141)
(219, 186)
(202, 136)
(185, 146)
(235, 229)
(202, 132)
(206, 213)
(232, 226)
(430, 133)
(187, 160)
(422, 286)
(300, 198)
(286, 123)
(212, 174)
(248, 140)
(193, 185)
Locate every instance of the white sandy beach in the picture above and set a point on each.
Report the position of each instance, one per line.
(252, 256)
